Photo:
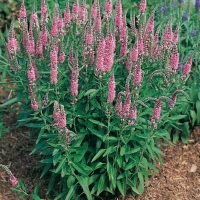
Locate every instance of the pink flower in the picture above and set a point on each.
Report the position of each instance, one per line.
(53, 75)
(22, 11)
(156, 112)
(174, 60)
(67, 16)
(83, 13)
(168, 34)
(126, 106)
(31, 74)
(39, 48)
(108, 9)
(100, 55)
(97, 25)
(61, 57)
(89, 36)
(74, 78)
(44, 36)
(54, 28)
(150, 24)
(175, 35)
(54, 55)
(111, 89)
(137, 75)
(187, 66)
(13, 180)
(94, 10)
(43, 7)
(75, 10)
(12, 41)
(143, 6)
(118, 107)
(133, 112)
(34, 20)
(34, 104)
(56, 115)
(62, 118)
(109, 51)
(118, 15)
(134, 52)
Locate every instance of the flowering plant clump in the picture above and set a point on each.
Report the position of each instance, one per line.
(98, 91)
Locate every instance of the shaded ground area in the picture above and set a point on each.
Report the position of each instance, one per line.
(178, 180)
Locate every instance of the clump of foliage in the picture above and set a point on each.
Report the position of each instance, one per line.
(98, 93)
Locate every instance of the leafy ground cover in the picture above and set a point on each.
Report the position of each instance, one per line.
(179, 179)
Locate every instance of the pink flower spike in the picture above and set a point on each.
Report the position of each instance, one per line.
(126, 106)
(134, 52)
(43, 8)
(187, 67)
(111, 89)
(150, 24)
(22, 12)
(97, 25)
(175, 35)
(67, 15)
(31, 73)
(44, 36)
(109, 51)
(75, 10)
(137, 75)
(62, 118)
(34, 20)
(83, 15)
(61, 57)
(143, 5)
(118, 14)
(156, 112)
(74, 78)
(34, 104)
(108, 9)
(13, 180)
(100, 55)
(133, 113)
(94, 10)
(53, 75)
(174, 60)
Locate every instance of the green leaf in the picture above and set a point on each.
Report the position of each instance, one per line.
(51, 182)
(70, 181)
(130, 165)
(100, 153)
(47, 160)
(91, 92)
(110, 150)
(84, 184)
(122, 188)
(141, 183)
(194, 116)
(101, 184)
(96, 122)
(133, 187)
(35, 196)
(97, 133)
(38, 147)
(61, 164)
(71, 192)
(82, 169)
(36, 189)
(177, 117)
(45, 170)
(186, 132)
(198, 111)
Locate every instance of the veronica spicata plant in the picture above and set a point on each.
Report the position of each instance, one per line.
(98, 92)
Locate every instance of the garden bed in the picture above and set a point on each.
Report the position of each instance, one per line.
(174, 181)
